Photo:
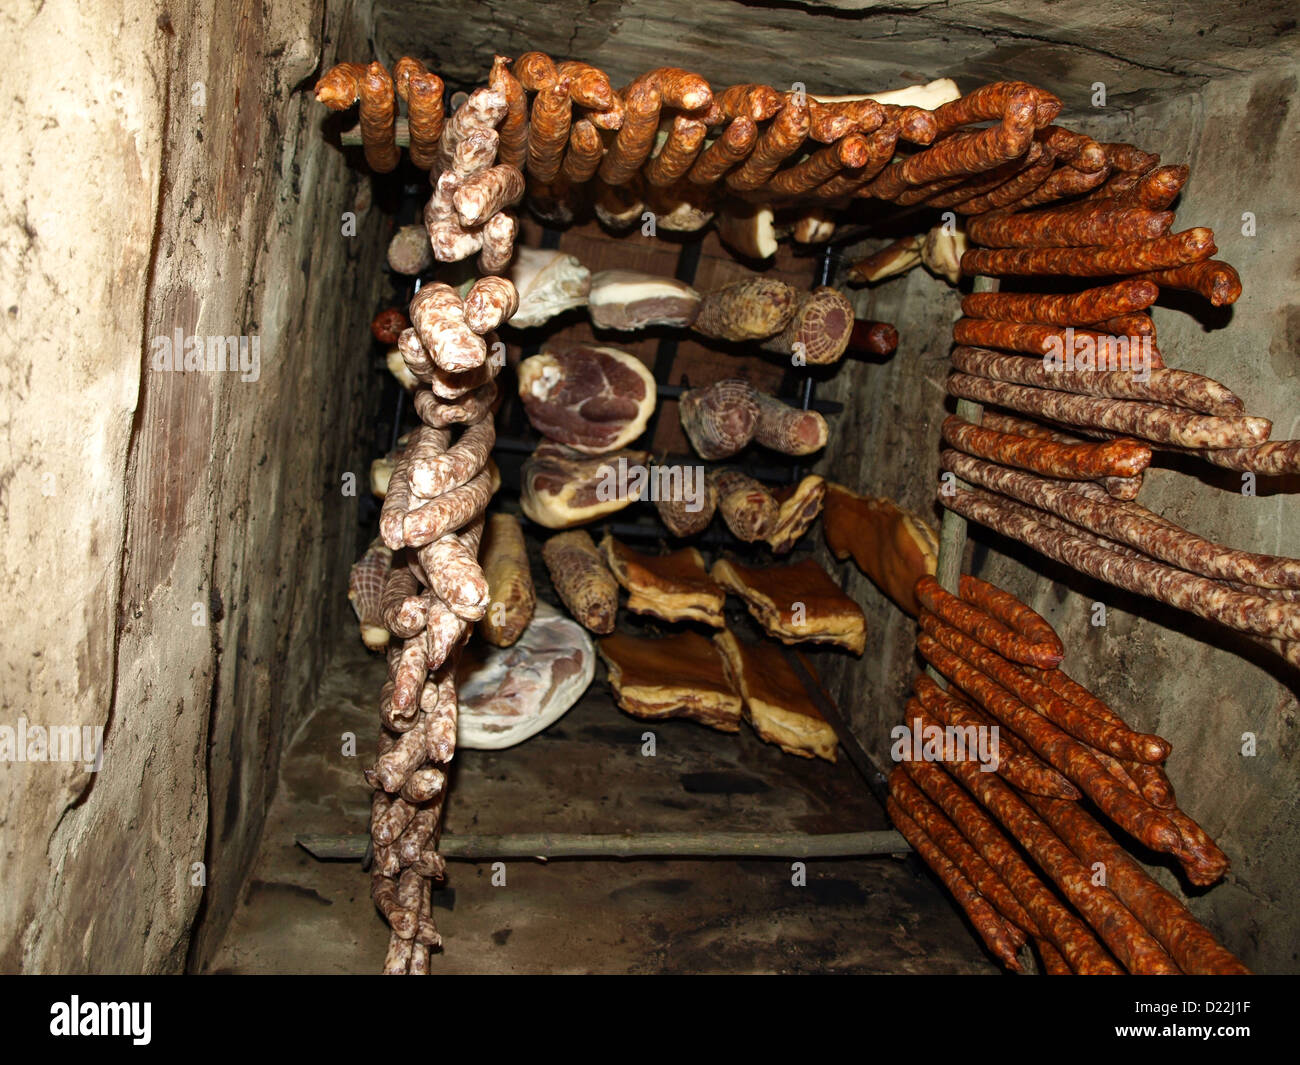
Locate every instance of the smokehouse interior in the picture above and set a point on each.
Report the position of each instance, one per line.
(628, 486)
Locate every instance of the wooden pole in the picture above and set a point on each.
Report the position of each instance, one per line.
(545, 845)
(952, 533)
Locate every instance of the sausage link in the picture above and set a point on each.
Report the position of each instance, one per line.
(1140, 819)
(437, 474)
(983, 917)
(1137, 324)
(471, 408)
(993, 101)
(950, 191)
(438, 316)
(424, 784)
(588, 86)
(829, 120)
(1118, 487)
(1217, 282)
(1062, 183)
(390, 826)
(397, 499)
(782, 139)
(1176, 388)
(490, 302)
(1118, 740)
(1273, 459)
(1132, 944)
(1083, 225)
(1131, 524)
(1117, 458)
(402, 604)
(728, 150)
(1076, 308)
(988, 630)
(498, 243)
(1076, 149)
(536, 71)
(1205, 598)
(513, 129)
(1203, 861)
(1020, 767)
(1178, 249)
(916, 125)
(1188, 942)
(379, 119)
(480, 113)
(685, 140)
(962, 154)
(425, 117)
(1015, 189)
(847, 154)
(417, 833)
(408, 752)
(447, 512)
(1004, 607)
(880, 150)
(755, 102)
(584, 153)
(340, 86)
(486, 193)
(934, 823)
(383, 892)
(1061, 343)
(440, 735)
(1159, 188)
(635, 139)
(677, 88)
(408, 678)
(1150, 421)
(456, 577)
(1153, 784)
(1066, 932)
(548, 131)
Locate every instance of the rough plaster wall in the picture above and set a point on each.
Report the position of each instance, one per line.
(1150, 49)
(216, 218)
(1196, 684)
(70, 371)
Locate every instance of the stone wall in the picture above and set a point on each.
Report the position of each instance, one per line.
(174, 543)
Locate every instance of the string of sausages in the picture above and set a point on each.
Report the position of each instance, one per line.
(1057, 742)
(431, 522)
(668, 137)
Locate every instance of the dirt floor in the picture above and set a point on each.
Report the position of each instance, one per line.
(586, 773)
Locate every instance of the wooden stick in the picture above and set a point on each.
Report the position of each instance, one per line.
(351, 138)
(952, 534)
(546, 845)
